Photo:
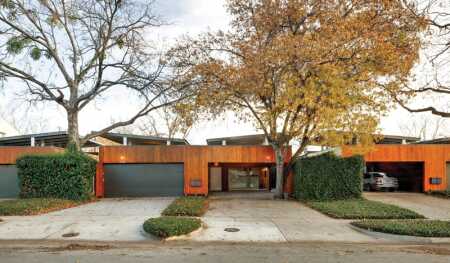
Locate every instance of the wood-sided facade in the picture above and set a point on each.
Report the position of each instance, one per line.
(196, 161)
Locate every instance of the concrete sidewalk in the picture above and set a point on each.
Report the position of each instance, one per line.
(272, 221)
(105, 220)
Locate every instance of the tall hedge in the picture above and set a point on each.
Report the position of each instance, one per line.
(328, 177)
(68, 175)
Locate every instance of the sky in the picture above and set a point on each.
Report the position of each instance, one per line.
(185, 17)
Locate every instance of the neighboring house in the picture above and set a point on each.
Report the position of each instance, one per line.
(420, 166)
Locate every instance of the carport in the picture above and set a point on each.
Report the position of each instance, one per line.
(419, 167)
(410, 175)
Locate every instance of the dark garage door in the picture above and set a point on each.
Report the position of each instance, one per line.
(143, 180)
(9, 182)
(409, 174)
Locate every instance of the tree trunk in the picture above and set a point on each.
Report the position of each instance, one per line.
(279, 158)
(72, 129)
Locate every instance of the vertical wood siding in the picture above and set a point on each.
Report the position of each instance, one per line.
(9, 154)
(434, 157)
(194, 158)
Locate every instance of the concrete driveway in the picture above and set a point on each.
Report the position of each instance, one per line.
(272, 221)
(429, 206)
(105, 220)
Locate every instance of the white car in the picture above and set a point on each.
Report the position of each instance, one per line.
(376, 181)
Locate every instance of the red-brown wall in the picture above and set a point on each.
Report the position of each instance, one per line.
(434, 157)
(9, 154)
(194, 158)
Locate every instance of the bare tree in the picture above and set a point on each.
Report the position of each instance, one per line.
(434, 83)
(168, 122)
(424, 126)
(73, 52)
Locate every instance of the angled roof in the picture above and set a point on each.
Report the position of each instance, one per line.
(253, 139)
(445, 140)
(256, 139)
(396, 139)
(141, 138)
(61, 139)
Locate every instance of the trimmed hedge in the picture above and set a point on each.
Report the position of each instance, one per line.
(420, 228)
(34, 206)
(187, 206)
(328, 177)
(68, 175)
(362, 209)
(168, 226)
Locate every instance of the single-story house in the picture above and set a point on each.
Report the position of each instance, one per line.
(148, 166)
(142, 167)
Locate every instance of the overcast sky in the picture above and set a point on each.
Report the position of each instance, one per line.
(186, 17)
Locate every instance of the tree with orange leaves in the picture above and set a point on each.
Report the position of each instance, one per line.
(304, 70)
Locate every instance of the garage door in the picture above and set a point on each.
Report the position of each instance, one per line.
(143, 180)
(9, 182)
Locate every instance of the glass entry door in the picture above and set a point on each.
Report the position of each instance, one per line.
(243, 179)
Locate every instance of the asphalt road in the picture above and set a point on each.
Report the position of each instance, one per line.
(15, 252)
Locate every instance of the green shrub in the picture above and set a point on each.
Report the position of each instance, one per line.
(186, 206)
(328, 177)
(34, 206)
(168, 226)
(421, 228)
(362, 209)
(66, 175)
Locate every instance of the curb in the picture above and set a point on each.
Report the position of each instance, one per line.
(401, 238)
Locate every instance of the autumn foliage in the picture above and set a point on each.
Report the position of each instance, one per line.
(303, 70)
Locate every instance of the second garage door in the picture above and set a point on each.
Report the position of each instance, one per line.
(9, 182)
(143, 180)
